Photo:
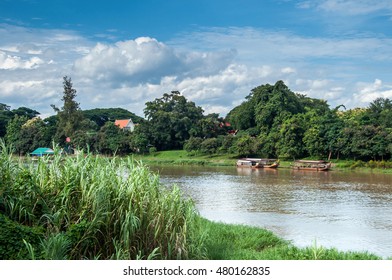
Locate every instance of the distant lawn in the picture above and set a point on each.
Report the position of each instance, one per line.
(182, 157)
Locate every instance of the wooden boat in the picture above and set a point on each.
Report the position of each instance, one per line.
(258, 163)
(316, 165)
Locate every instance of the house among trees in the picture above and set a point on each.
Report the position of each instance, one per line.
(125, 124)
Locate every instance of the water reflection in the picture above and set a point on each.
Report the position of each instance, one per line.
(346, 210)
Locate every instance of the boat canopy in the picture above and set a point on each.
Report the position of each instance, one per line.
(42, 151)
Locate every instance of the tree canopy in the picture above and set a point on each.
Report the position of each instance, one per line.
(272, 121)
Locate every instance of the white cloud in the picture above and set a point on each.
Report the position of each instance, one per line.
(147, 60)
(349, 7)
(368, 92)
(215, 68)
(9, 62)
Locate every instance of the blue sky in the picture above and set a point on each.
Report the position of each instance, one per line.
(124, 53)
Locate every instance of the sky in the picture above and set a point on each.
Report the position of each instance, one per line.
(124, 53)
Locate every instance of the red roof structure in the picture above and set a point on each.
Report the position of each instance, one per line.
(121, 123)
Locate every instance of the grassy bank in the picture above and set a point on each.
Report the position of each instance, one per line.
(181, 157)
(238, 242)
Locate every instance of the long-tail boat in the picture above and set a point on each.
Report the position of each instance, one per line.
(316, 165)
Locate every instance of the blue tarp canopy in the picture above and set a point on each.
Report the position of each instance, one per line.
(42, 151)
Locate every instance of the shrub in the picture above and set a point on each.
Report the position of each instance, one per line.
(152, 151)
(193, 144)
(12, 235)
(209, 146)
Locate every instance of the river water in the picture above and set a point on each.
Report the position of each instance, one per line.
(345, 210)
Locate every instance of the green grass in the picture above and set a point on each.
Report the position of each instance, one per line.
(239, 242)
(181, 157)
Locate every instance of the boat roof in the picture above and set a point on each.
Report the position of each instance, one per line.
(42, 151)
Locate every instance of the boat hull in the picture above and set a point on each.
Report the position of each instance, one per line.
(312, 165)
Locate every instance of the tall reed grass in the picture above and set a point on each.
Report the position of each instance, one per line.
(93, 207)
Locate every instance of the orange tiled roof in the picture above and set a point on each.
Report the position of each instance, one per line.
(121, 123)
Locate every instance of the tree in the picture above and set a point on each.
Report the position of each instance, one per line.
(290, 144)
(170, 120)
(5, 116)
(24, 111)
(193, 144)
(209, 146)
(112, 140)
(70, 116)
(246, 145)
(14, 128)
(101, 116)
(27, 134)
(242, 117)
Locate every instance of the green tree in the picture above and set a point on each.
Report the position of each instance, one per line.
(290, 144)
(193, 144)
(112, 140)
(24, 111)
(140, 141)
(246, 145)
(243, 116)
(171, 119)
(14, 128)
(209, 146)
(27, 134)
(69, 116)
(379, 113)
(6, 115)
(102, 115)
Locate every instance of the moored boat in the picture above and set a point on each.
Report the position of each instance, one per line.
(258, 163)
(316, 165)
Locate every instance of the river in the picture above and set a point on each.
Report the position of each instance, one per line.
(345, 210)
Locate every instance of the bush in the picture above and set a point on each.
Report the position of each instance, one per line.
(193, 144)
(152, 151)
(209, 146)
(12, 235)
(358, 163)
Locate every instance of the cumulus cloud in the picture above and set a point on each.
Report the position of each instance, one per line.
(15, 62)
(147, 60)
(367, 92)
(216, 68)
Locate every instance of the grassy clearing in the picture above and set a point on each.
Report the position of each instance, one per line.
(181, 157)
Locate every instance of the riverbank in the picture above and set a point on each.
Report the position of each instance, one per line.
(239, 242)
(181, 157)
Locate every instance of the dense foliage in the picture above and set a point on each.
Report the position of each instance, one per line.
(288, 125)
(272, 122)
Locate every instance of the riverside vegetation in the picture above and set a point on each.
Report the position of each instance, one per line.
(91, 207)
